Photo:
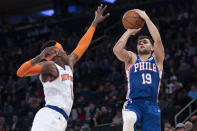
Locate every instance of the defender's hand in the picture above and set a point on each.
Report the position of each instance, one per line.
(99, 15)
(133, 31)
(47, 52)
(141, 13)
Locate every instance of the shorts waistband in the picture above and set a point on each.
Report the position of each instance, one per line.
(142, 99)
(58, 110)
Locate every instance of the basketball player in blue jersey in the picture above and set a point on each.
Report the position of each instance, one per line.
(143, 74)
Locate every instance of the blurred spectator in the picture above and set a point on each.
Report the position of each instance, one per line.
(7, 108)
(30, 117)
(193, 92)
(114, 91)
(81, 114)
(87, 94)
(104, 116)
(167, 126)
(194, 69)
(117, 119)
(184, 73)
(180, 100)
(174, 85)
(95, 119)
(194, 121)
(91, 110)
(16, 125)
(165, 103)
(180, 127)
(188, 126)
(171, 129)
(3, 125)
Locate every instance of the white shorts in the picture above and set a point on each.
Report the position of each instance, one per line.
(47, 119)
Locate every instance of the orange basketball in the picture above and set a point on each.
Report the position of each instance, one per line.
(131, 20)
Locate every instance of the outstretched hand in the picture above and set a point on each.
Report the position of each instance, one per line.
(48, 52)
(99, 15)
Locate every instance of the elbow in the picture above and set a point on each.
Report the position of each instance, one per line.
(115, 50)
(19, 73)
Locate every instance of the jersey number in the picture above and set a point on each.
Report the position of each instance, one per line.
(146, 78)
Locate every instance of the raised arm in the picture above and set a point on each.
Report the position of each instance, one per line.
(87, 38)
(158, 46)
(119, 49)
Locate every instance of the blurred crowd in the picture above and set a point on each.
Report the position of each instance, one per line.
(100, 84)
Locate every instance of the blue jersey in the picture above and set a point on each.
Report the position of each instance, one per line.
(143, 79)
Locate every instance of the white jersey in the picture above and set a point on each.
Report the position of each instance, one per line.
(59, 92)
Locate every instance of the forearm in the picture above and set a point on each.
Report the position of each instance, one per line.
(36, 60)
(153, 30)
(158, 46)
(120, 45)
(30, 68)
(85, 41)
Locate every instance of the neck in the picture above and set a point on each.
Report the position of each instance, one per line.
(62, 60)
(144, 57)
(59, 62)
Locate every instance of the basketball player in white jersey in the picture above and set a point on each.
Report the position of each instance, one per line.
(56, 75)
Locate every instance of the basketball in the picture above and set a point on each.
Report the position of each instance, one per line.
(131, 20)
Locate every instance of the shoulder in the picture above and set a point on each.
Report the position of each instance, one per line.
(47, 64)
(48, 67)
(72, 59)
(131, 54)
(132, 57)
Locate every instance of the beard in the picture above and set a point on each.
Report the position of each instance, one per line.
(144, 52)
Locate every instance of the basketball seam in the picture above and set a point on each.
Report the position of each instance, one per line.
(141, 20)
(129, 23)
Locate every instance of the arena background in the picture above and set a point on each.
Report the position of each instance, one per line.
(100, 84)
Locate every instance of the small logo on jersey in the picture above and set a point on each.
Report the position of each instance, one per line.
(159, 110)
(66, 77)
(150, 59)
(141, 66)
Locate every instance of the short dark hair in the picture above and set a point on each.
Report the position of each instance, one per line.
(48, 44)
(146, 37)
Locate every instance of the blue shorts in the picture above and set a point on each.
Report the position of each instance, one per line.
(148, 114)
